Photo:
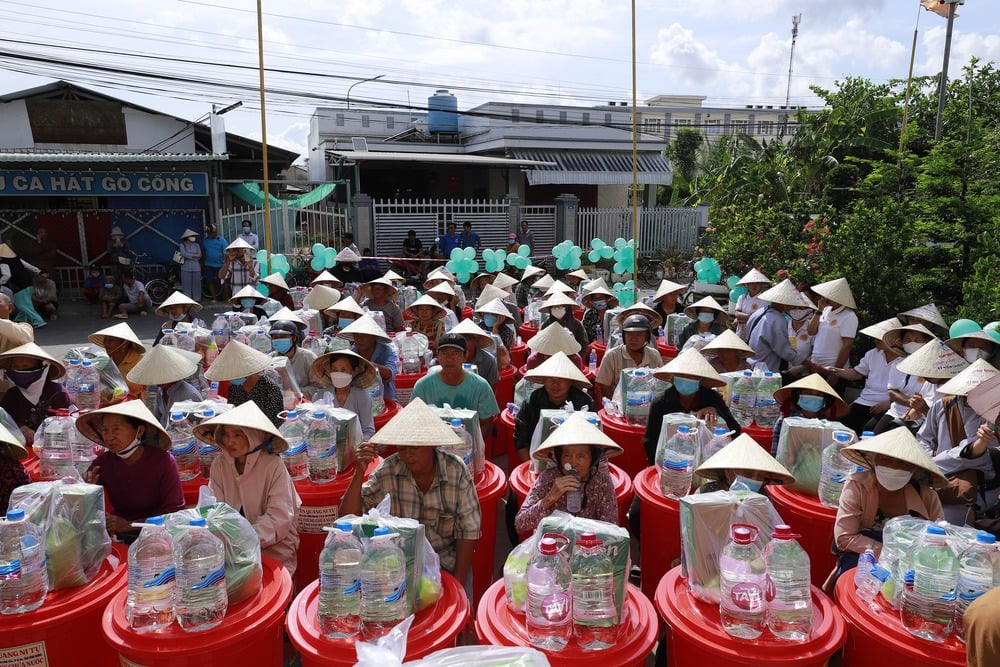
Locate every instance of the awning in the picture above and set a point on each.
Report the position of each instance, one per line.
(106, 158)
(441, 158)
(594, 167)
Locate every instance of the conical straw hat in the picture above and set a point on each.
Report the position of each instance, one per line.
(754, 276)
(690, 362)
(727, 340)
(978, 372)
(346, 256)
(667, 287)
(15, 446)
(893, 338)
(785, 294)
(245, 415)
(504, 280)
(559, 286)
(164, 364)
(594, 284)
(87, 423)
(815, 382)
(189, 232)
(579, 273)
(641, 309)
(879, 329)
(957, 342)
(836, 290)
(543, 283)
(442, 288)
(393, 277)
(248, 292)
(321, 365)
(576, 430)
(557, 299)
(416, 425)
(237, 360)
(6, 252)
(427, 300)
(384, 282)
(552, 339)
(558, 366)
(56, 368)
(178, 299)
(326, 277)
(494, 307)
(707, 302)
(469, 328)
(121, 331)
(489, 293)
(985, 399)
(743, 453)
(928, 313)
(239, 244)
(365, 324)
(897, 443)
(275, 280)
(285, 314)
(599, 291)
(934, 360)
(531, 272)
(345, 305)
(440, 273)
(321, 297)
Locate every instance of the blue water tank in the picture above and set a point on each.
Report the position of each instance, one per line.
(442, 112)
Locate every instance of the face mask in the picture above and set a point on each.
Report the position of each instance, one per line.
(973, 354)
(600, 305)
(892, 478)
(490, 320)
(911, 347)
(248, 303)
(177, 318)
(686, 386)
(25, 379)
(109, 285)
(811, 403)
(125, 453)
(340, 380)
(558, 312)
(237, 382)
(343, 322)
(800, 314)
(751, 484)
(246, 230)
(706, 318)
(281, 345)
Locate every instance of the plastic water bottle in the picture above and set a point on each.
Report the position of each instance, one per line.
(185, 341)
(592, 363)
(24, 581)
(929, 602)
(169, 338)
(767, 408)
(548, 617)
(872, 584)
(661, 337)
(207, 453)
(152, 584)
(599, 334)
(638, 396)
(790, 613)
(835, 469)
(261, 341)
(676, 463)
(183, 446)
(866, 562)
(595, 618)
(296, 457)
(383, 585)
(213, 391)
(321, 436)
(574, 498)
(88, 386)
(743, 400)
(720, 438)
(465, 450)
(55, 437)
(409, 353)
(743, 584)
(200, 564)
(220, 332)
(339, 609)
(71, 379)
(315, 343)
(976, 575)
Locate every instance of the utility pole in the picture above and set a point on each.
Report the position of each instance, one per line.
(943, 83)
(791, 56)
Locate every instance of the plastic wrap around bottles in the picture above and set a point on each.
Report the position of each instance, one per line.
(814, 522)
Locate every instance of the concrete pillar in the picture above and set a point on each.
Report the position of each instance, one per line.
(566, 208)
(363, 214)
(513, 213)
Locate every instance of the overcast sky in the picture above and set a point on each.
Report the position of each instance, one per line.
(181, 56)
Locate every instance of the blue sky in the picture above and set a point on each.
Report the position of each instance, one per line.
(557, 51)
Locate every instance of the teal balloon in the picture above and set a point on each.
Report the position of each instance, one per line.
(462, 276)
(620, 243)
(262, 288)
(596, 244)
(261, 257)
(452, 264)
(704, 275)
(488, 254)
(524, 250)
(607, 252)
(500, 256)
(522, 263)
(594, 256)
(562, 263)
(575, 263)
(576, 252)
(318, 248)
(962, 327)
(620, 268)
(993, 329)
(700, 264)
(318, 263)
(329, 258)
(512, 259)
(470, 253)
(456, 254)
(731, 281)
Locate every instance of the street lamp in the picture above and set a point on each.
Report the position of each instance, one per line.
(356, 83)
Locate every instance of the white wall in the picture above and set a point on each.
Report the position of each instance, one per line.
(15, 132)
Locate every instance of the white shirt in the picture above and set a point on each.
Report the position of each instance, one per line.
(875, 367)
(250, 238)
(132, 293)
(834, 326)
(903, 383)
(800, 340)
(746, 304)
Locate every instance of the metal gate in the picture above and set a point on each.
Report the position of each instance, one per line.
(293, 230)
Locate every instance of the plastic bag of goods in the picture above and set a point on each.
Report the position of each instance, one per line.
(800, 449)
(62, 450)
(483, 656)
(899, 538)
(114, 389)
(700, 433)
(470, 420)
(515, 569)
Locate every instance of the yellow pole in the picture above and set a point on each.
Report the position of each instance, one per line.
(635, 171)
(263, 130)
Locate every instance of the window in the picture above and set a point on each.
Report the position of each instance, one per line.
(390, 122)
(679, 122)
(739, 126)
(713, 126)
(607, 119)
(586, 118)
(562, 116)
(765, 127)
(340, 120)
(540, 116)
(365, 120)
(652, 125)
(515, 115)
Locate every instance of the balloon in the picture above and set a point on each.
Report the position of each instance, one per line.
(318, 248)
(452, 264)
(619, 243)
(563, 262)
(731, 281)
(488, 255)
(607, 252)
(594, 256)
(522, 262)
(462, 276)
(993, 329)
(962, 327)
(330, 257)
(596, 244)
(699, 265)
(455, 255)
(262, 288)
(574, 263)
(470, 253)
(318, 263)
(500, 256)
(524, 250)
(261, 257)
(620, 268)
(576, 252)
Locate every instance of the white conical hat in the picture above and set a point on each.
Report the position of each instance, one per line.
(469, 328)
(985, 399)
(543, 283)
(427, 300)
(178, 299)
(785, 294)
(579, 273)
(494, 307)
(384, 282)
(838, 291)
(326, 277)
(554, 338)
(239, 244)
(286, 314)
(321, 297)
(744, 453)
(248, 292)
(710, 303)
(275, 280)
(600, 291)
(6, 252)
(320, 367)
(489, 293)
(557, 299)
(599, 281)
(189, 232)
(442, 288)
(393, 277)
(957, 343)
(879, 329)
(245, 415)
(440, 273)
(727, 340)
(532, 271)
(897, 443)
(237, 360)
(345, 305)
(754, 276)
(978, 372)
(558, 286)
(122, 331)
(558, 366)
(164, 364)
(56, 368)
(690, 362)
(365, 324)
(503, 281)
(666, 287)
(927, 312)
(86, 424)
(347, 255)
(935, 360)
(894, 337)
(576, 430)
(814, 382)
(14, 446)
(416, 425)
(641, 309)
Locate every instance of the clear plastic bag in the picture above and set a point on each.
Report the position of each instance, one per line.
(515, 569)
(114, 389)
(385, 651)
(483, 656)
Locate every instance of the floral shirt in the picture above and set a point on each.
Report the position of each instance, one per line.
(599, 501)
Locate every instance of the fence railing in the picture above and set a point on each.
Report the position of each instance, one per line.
(292, 229)
(667, 228)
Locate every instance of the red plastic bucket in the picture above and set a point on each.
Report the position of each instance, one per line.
(67, 627)
(666, 351)
(505, 437)
(660, 516)
(33, 467)
(633, 459)
(504, 389)
(761, 435)
(251, 633)
(599, 349)
(433, 629)
(526, 332)
(497, 624)
(467, 313)
(518, 355)
(404, 385)
(391, 408)
(491, 486)
(695, 637)
(814, 522)
(880, 640)
(190, 489)
(320, 507)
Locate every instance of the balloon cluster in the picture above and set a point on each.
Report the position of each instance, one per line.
(463, 264)
(735, 291)
(600, 250)
(323, 257)
(567, 256)
(708, 270)
(495, 259)
(624, 256)
(277, 264)
(625, 292)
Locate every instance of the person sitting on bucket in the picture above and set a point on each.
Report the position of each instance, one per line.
(742, 460)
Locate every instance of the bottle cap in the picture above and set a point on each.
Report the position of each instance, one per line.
(880, 573)
(842, 436)
(867, 434)
(784, 532)
(683, 428)
(176, 416)
(720, 430)
(167, 331)
(456, 422)
(319, 414)
(155, 520)
(748, 374)
(935, 530)
(380, 531)
(548, 547)
(986, 538)
(200, 521)
(15, 514)
(741, 535)
(588, 540)
(87, 363)
(344, 526)
(291, 414)
(207, 413)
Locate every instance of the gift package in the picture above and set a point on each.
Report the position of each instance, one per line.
(800, 449)
(470, 420)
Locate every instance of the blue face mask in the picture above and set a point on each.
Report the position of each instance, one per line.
(237, 382)
(706, 318)
(343, 322)
(109, 285)
(751, 484)
(281, 345)
(248, 303)
(686, 386)
(246, 230)
(600, 305)
(811, 403)
(177, 318)
(490, 320)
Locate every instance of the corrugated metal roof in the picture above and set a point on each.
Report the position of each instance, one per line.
(594, 167)
(106, 157)
(457, 158)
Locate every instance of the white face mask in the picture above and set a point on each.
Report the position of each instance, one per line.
(973, 354)
(340, 380)
(557, 312)
(892, 479)
(127, 452)
(911, 347)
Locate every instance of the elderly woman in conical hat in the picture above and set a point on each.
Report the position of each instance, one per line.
(709, 318)
(340, 372)
(426, 482)
(574, 451)
(562, 382)
(240, 268)
(125, 349)
(428, 318)
(665, 299)
(550, 340)
(368, 340)
(498, 321)
(250, 477)
(137, 471)
(597, 301)
(381, 293)
(934, 364)
(177, 308)
(33, 372)
(811, 397)
(897, 480)
(728, 353)
(742, 460)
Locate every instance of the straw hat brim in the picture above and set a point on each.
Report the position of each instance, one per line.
(442, 288)
(494, 307)
(928, 313)
(275, 280)
(744, 453)
(285, 314)
(814, 382)
(245, 415)
(785, 294)
(393, 277)
(935, 360)
(489, 293)
(503, 281)
(6, 252)
(189, 232)
(56, 368)
(576, 430)
(18, 449)
(346, 305)
(978, 372)
(710, 303)
(237, 360)
(880, 329)
(552, 339)
(163, 365)
(469, 328)
(384, 282)
(248, 292)
(321, 297)
(347, 256)
(425, 300)
(897, 443)
(667, 287)
(365, 324)
(753, 276)
(559, 287)
(543, 283)
(86, 424)
(323, 361)
(532, 271)
(838, 291)
(591, 296)
(556, 300)
(728, 340)
(893, 337)
(326, 277)
(239, 244)
(956, 343)
(121, 331)
(640, 309)
(558, 366)
(178, 299)
(591, 285)
(416, 425)
(690, 362)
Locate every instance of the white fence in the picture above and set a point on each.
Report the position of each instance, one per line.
(429, 219)
(666, 228)
(293, 230)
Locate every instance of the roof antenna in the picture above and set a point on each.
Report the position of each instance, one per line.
(791, 56)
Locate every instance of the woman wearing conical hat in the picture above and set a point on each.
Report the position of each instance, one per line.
(812, 397)
(748, 303)
(709, 318)
(178, 308)
(125, 349)
(34, 372)
(562, 382)
(834, 326)
(190, 252)
(742, 460)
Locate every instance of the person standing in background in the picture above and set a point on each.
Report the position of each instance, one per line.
(525, 237)
(249, 236)
(118, 253)
(191, 266)
(214, 256)
(450, 240)
(469, 238)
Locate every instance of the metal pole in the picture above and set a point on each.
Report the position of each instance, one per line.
(909, 83)
(791, 56)
(943, 87)
(350, 87)
(635, 171)
(263, 130)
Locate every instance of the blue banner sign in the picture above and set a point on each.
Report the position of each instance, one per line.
(103, 183)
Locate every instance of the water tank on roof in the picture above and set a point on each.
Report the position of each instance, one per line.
(442, 112)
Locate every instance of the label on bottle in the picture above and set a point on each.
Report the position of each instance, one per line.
(313, 518)
(555, 607)
(25, 655)
(747, 596)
